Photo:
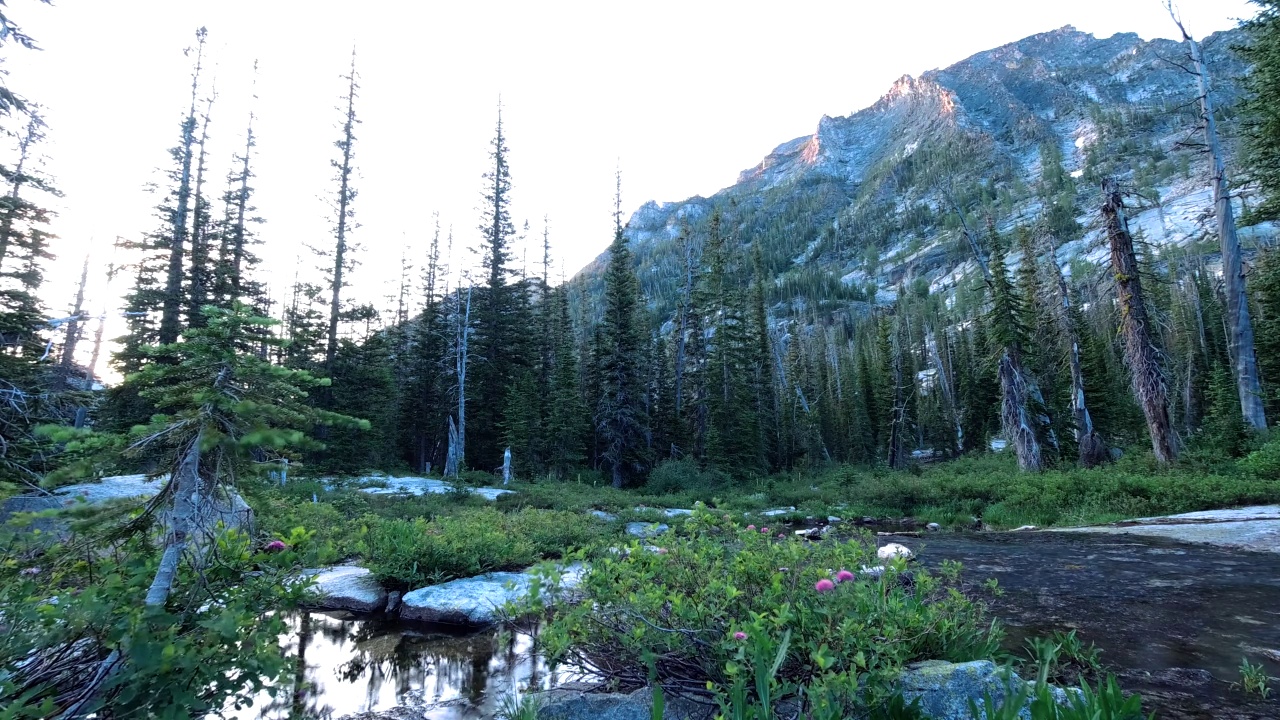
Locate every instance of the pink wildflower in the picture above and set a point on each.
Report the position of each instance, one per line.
(751, 527)
(844, 576)
(782, 536)
(764, 531)
(662, 551)
(824, 585)
(276, 546)
(739, 636)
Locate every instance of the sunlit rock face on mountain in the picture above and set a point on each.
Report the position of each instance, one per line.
(868, 201)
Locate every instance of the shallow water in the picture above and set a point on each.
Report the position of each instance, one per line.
(1172, 619)
(1162, 612)
(356, 666)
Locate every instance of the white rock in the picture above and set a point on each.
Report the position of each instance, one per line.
(1025, 528)
(933, 527)
(833, 519)
(477, 600)
(424, 486)
(347, 587)
(893, 551)
(669, 512)
(602, 515)
(776, 512)
(646, 530)
(469, 601)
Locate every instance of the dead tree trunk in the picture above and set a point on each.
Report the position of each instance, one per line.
(1014, 416)
(458, 431)
(1239, 323)
(1140, 354)
(189, 493)
(1092, 450)
(948, 390)
(345, 196)
(897, 450)
(73, 325)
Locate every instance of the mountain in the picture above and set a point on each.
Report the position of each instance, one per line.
(1021, 133)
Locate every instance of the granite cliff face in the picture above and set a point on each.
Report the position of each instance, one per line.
(867, 201)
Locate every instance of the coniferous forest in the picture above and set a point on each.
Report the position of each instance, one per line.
(984, 331)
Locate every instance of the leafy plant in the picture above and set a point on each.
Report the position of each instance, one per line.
(519, 707)
(1254, 679)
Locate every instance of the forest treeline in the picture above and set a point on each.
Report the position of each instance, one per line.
(1055, 359)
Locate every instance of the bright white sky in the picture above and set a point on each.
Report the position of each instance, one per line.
(681, 94)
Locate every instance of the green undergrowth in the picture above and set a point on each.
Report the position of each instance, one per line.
(735, 611)
(406, 554)
(397, 534)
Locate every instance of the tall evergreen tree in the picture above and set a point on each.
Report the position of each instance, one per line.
(178, 232)
(502, 317)
(620, 416)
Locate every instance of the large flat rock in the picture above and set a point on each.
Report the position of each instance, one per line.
(347, 587)
(469, 601)
(1254, 528)
(476, 600)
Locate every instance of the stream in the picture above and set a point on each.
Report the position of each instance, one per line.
(1173, 621)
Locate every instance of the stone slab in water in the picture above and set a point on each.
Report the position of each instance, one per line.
(347, 587)
(469, 601)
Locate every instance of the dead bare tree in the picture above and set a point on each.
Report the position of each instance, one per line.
(1239, 323)
(1141, 354)
(456, 458)
(1092, 450)
(73, 326)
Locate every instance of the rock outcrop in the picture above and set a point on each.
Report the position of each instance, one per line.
(347, 587)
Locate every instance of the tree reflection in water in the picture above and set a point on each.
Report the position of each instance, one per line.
(347, 666)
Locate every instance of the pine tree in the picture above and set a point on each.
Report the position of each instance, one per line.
(200, 269)
(502, 314)
(343, 213)
(1260, 109)
(177, 233)
(567, 426)
(235, 258)
(1009, 337)
(221, 407)
(424, 405)
(620, 417)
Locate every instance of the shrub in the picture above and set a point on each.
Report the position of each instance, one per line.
(215, 644)
(685, 614)
(413, 553)
(674, 476)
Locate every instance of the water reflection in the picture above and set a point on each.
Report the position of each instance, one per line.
(346, 666)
